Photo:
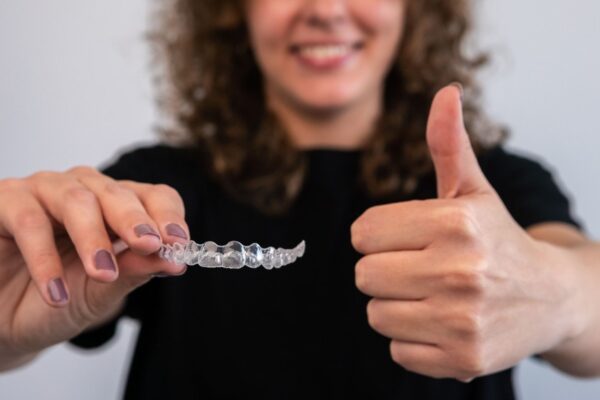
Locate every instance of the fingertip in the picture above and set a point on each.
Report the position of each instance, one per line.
(182, 271)
(136, 265)
(172, 269)
(105, 276)
(147, 240)
(461, 91)
(176, 233)
(445, 124)
(147, 245)
(105, 266)
(173, 273)
(145, 231)
(57, 292)
(449, 100)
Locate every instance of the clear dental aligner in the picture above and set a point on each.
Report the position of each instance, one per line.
(233, 255)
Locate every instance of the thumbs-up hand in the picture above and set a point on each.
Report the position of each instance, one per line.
(456, 283)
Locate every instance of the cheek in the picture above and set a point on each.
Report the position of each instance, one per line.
(384, 18)
(268, 24)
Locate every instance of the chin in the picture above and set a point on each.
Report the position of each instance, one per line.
(324, 108)
(326, 101)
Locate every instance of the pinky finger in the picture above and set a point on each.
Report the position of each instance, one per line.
(32, 231)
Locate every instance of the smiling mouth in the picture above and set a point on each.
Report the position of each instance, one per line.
(325, 55)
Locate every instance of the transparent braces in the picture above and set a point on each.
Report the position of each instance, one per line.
(233, 255)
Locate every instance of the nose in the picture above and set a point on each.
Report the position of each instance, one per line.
(325, 13)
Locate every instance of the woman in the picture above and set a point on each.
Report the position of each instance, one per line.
(430, 253)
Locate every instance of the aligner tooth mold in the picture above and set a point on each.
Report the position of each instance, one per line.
(233, 255)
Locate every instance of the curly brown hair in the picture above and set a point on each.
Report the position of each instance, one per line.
(212, 90)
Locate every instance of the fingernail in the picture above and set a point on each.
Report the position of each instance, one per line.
(145, 230)
(460, 88)
(58, 291)
(176, 230)
(104, 261)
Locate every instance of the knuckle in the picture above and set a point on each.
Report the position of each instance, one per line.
(460, 222)
(478, 265)
(30, 219)
(42, 176)
(471, 364)
(468, 324)
(114, 188)
(165, 190)
(79, 195)
(12, 184)
(470, 279)
(82, 170)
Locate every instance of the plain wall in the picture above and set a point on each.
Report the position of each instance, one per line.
(75, 89)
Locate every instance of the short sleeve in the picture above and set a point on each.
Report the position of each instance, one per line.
(528, 188)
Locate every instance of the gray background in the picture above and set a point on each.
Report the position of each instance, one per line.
(75, 89)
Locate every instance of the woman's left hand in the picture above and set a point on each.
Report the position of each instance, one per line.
(460, 288)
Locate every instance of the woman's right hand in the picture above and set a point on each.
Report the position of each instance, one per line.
(59, 273)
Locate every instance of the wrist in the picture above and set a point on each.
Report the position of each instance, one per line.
(569, 313)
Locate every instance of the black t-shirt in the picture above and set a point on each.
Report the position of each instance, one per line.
(299, 332)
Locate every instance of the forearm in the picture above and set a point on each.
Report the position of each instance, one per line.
(579, 353)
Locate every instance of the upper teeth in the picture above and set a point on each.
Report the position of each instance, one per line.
(325, 51)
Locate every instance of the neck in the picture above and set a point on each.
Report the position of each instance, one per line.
(344, 128)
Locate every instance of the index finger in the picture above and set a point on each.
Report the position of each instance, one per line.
(413, 225)
(399, 226)
(165, 206)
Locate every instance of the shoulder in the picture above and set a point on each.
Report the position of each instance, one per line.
(528, 186)
(499, 162)
(514, 172)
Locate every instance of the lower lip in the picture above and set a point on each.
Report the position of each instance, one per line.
(327, 64)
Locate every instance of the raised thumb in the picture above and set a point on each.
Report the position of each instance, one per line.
(456, 167)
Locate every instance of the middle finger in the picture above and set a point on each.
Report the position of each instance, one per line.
(407, 321)
(124, 212)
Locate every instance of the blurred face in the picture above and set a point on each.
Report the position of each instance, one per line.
(324, 54)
